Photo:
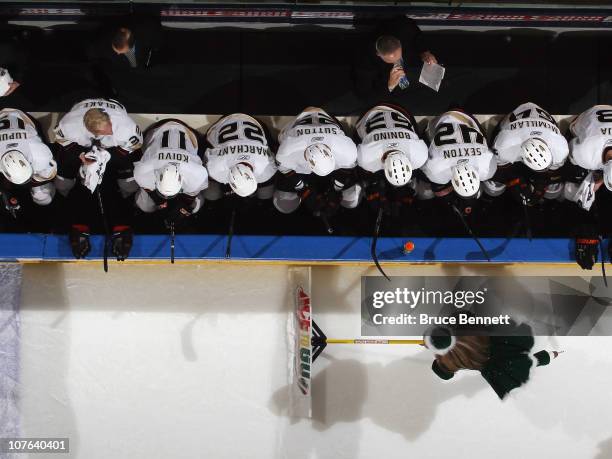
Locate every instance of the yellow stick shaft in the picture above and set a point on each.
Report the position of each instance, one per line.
(374, 341)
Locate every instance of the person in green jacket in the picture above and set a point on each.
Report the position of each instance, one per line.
(505, 362)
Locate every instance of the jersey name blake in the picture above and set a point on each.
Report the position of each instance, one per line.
(13, 136)
(173, 156)
(459, 152)
(250, 149)
(317, 130)
(534, 124)
(102, 104)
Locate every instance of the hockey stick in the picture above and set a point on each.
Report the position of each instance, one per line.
(527, 220)
(601, 250)
(375, 240)
(230, 234)
(106, 230)
(470, 232)
(603, 264)
(374, 341)
(172, 242)
(319, 341)
(325, 221)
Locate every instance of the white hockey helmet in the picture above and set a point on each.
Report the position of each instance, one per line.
(536, 154)
(398, 169)
(320, 159)
(5, 81)
(15, 167)
(168, 180)
(607, 174)
(465, 180)
(242, 180)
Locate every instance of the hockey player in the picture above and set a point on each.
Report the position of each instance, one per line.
(530, 153)
(239, 158)
(170, 174)
(26, 163)
(590, 167)
(388, 153)
(459, 159)
(316, 161)
(96, 140)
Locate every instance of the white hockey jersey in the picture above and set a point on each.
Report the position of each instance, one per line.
(592, 131)
(18, 132)
(526, 121)
(382, 129)
(313, 127)
(238, 138)
(456, 138)
(126, 133)
(171, 143)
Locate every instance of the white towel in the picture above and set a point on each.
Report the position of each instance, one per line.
(585, 195)
(93, 173)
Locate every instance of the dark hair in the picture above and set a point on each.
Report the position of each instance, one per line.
(122, 36)
(386, 44)
(470, 353)
(606, 150)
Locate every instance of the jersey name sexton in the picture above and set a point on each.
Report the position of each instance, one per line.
(459, 152)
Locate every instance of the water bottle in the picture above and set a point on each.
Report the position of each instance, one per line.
(403, 82)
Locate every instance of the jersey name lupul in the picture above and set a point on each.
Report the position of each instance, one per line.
(19, 135)
(12, 127)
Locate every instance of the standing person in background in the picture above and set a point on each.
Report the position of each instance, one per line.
(133, 44)
(13, 63)
(392, 60)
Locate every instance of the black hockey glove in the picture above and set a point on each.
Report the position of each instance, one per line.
(79, 241)
(11, 204)
(330, 203)
(586, 252)
(178, 209)
(522, 192)
(122, 242)
(376, 197)
(464, 205)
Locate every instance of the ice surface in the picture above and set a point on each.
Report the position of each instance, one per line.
(189, 361)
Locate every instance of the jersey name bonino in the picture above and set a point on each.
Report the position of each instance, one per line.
(172, 155)
(534, 124)
(391, 135)
(463, 151)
